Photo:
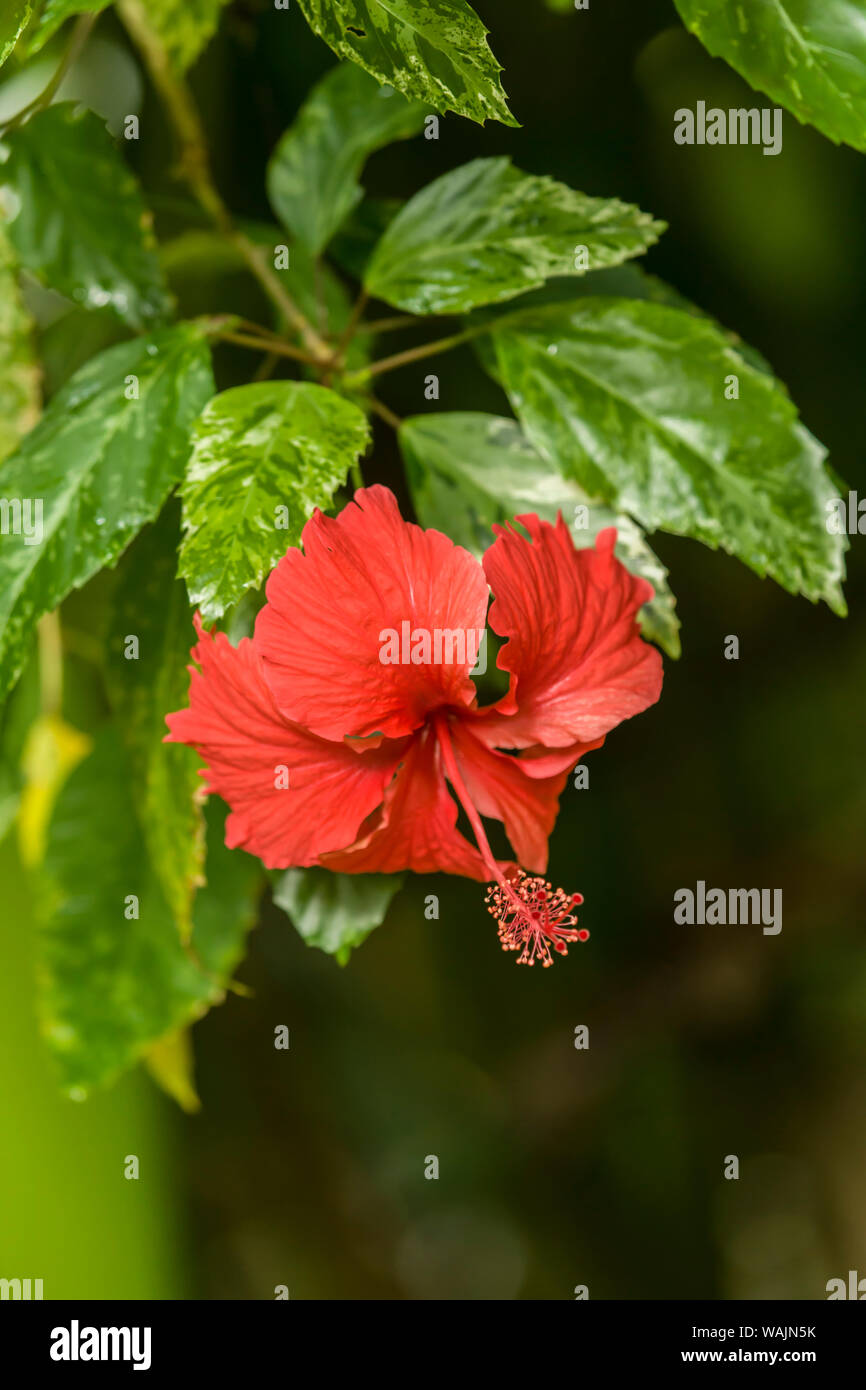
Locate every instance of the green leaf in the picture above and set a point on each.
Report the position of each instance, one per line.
(203, 256)
(487, 232)
(171, 1063)
(100, 465)
(809, 55)
(149, 640)
(185, 27)
(312, 177)
(19, 373)
(78, 221)
(54, 14)
(17, 717)
(619, 282)
(633, 282)
(433, 50)
(227, 906)
(263, 457)
(467, 471)
(113, 984)
(14, 14)
(629, 398)
(336, 912)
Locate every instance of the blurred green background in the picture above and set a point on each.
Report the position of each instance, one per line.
(557, 1167)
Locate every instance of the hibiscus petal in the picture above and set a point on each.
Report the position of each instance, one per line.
(541, 761)
(233, 724)
(577, 661)
(416, 828)
(361, 576)
(501, 787)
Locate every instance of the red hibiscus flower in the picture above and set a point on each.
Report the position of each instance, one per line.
(347, 733)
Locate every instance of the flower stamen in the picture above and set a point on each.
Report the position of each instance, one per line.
(532, 916)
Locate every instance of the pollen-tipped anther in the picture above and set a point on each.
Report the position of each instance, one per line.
(534, 918)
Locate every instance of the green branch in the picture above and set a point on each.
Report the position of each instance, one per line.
(194, 168)
(416, 354)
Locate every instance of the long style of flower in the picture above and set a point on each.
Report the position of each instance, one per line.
(336, 745)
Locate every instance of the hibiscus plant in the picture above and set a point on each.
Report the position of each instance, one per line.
(316, 651)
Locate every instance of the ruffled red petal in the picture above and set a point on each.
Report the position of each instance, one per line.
(233, 724)
(501, 786)
(577, 661)
(330, 609)
(417, 826)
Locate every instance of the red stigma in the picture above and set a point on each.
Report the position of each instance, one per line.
(533, 917)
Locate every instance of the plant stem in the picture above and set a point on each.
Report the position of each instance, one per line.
(195, 169)
(78, 38)
(352, 326)
(416, 354)
(387, 325)
(384, 412)
(268, 345)
(319, 292)
(266, 367)
(258, 329)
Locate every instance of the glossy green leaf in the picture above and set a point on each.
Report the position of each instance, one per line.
(263, 457)
(809, 55)
(55, 13)
(115, 975)
(147, 653)
(14, 14)
(77, 219)
(467, 470)
(432, 50)
(184, 26)
(312, 177)
(633, 282)
(629, 398)
(99, 464)
(628, 281)
(487, 232)
(336, 912)
(19, 372)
